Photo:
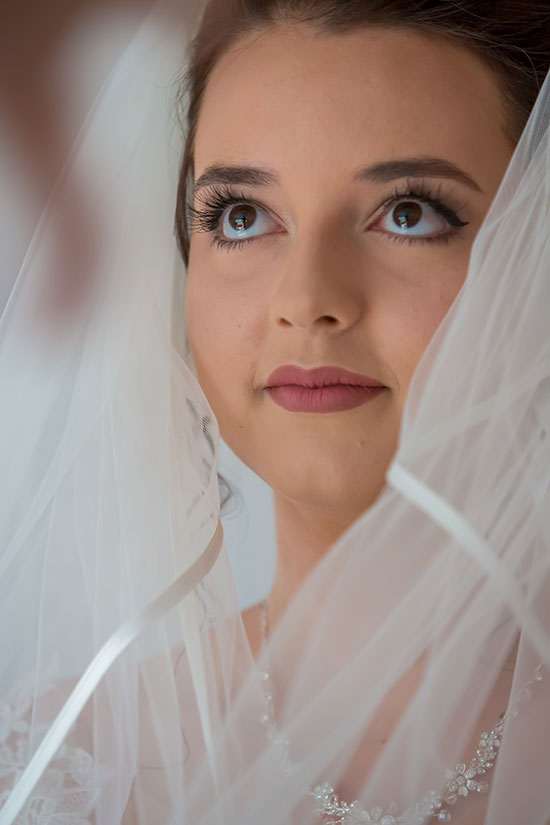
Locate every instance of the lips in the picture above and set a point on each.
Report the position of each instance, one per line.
(318, 377)
(321, 390)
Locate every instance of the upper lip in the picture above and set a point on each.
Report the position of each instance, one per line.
(318, 377)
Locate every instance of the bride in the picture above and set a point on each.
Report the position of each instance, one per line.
(362, 212)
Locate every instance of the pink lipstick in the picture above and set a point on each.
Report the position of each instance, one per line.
(321, 390)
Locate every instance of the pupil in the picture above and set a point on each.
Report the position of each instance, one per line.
(241, 217)
(407, 214)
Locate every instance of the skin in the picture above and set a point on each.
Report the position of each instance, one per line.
(320, 285)
(324, 284)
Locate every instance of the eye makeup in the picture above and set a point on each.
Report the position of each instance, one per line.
(213, 202)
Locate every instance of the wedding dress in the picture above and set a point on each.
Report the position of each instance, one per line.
(129, 689)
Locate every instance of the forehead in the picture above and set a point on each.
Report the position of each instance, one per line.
(300, 101)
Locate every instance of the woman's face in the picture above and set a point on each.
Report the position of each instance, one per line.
(312, 263)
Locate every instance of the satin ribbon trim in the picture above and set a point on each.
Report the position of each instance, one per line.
(470, 540)
(98, 667)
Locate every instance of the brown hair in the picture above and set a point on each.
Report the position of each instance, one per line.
(512, 37)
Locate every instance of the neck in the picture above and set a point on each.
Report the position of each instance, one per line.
(304, 535)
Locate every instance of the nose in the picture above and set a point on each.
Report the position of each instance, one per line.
(319, 284)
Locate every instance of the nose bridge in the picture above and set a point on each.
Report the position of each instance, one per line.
(319, 280)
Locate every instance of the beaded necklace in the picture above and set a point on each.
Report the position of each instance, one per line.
(465, 779)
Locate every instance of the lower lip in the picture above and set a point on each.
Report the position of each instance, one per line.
(322, 399)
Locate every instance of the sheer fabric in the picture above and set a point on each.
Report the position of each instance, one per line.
(109, 526)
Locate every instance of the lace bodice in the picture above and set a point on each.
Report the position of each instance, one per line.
(66, 793)
(68, 790)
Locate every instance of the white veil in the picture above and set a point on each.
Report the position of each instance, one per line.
(128, 689)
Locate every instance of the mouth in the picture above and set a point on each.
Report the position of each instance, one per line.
(322, 389)
(328, 399)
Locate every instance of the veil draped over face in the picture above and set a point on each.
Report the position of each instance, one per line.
(129, 693)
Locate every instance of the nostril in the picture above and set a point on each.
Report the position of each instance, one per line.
(322, 319)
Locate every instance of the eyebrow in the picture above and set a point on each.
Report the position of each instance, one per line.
(383, 172)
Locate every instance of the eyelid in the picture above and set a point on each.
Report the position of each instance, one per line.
(445, 203)
(226, 196)
(218, 199)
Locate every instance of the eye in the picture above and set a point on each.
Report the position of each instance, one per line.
(245, 221)
(418, 214)
(412, 218)
(410, 215)
(229, 217)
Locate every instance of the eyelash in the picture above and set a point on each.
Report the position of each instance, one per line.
(217, 199)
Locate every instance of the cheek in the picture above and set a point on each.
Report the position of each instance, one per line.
(411, 315)
(217, 335)
(225, 306)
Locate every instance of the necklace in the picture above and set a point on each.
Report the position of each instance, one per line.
(434, 806)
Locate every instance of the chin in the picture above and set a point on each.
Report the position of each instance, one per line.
(341, 497)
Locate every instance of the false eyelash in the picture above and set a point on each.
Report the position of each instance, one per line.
(448, 206)
(217, 198)
(215, 201)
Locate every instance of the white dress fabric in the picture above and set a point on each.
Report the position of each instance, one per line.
(129, 692)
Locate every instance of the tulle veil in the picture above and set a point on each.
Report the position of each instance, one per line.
(129, 691)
